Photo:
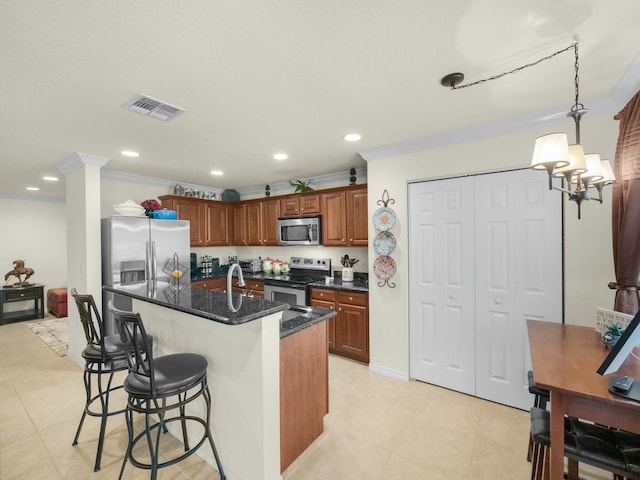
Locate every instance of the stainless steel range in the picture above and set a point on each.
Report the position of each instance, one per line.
(293, 288)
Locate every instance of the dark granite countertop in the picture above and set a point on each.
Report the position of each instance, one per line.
(214, 306)
(206, 303)
(358, 285)
(298, 318)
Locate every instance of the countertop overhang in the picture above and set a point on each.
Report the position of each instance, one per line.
(214, 306)
(208, 304)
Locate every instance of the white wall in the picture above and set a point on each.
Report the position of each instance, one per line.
(588, 251)
(36, 232)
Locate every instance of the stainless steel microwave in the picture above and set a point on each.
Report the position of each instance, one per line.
(300, 230)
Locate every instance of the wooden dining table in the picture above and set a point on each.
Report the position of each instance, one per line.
(565, 361)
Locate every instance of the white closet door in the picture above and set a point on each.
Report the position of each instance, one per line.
(518, 277)
(441, 291)
(485, 256)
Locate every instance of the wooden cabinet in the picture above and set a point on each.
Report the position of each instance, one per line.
(302, 204)
(255, 222)
(344, 218)
(349, 330)
(217, 224)
(216, 284)
(270, 214)
(239, 224)
(262, 222)
(209, 221)
(357, 217)
(304, 390)
(190, 209)
(255, 287)
(324, 298)
(334, 219)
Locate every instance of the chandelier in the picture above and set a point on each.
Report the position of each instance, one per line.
(552, 152)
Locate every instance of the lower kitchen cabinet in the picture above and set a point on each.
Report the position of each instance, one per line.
(349, 330)
(216, 284)
(255, 287)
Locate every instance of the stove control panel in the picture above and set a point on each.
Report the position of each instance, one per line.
(305, 263)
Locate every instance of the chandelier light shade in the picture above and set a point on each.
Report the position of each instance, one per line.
(552, 152)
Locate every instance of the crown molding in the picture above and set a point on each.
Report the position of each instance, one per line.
(78, 160)
(319, 180)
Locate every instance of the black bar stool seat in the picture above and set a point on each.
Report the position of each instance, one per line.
(161, 388)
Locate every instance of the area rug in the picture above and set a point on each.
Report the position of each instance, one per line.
(54, 333)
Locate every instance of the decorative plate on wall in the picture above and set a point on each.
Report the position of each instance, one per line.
(384, 219)
(384, 267)
(384, 243)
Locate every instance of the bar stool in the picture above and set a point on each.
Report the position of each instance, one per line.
(103, 355)
(157, 386)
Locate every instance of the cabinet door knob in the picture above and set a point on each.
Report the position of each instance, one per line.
(340, 309)
(350, 298)
(497, 301)
(452, 296)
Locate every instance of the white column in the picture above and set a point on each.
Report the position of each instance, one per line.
(83, 238)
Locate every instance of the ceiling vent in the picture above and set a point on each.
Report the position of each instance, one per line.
(153, 107)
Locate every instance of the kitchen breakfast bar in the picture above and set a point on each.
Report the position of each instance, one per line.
(244, 340)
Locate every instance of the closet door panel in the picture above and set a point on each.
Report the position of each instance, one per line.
(441, 287)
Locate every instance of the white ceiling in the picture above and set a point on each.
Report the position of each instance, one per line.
(259, 77)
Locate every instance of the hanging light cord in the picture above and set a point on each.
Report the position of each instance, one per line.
(573, 46)
(578, 105)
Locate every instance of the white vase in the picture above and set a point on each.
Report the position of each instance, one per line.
(347, 274)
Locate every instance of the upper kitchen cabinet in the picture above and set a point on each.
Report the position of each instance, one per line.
(217, 224)
(188, 209)
(302, 204)
(209, 220)
(357, 218)
(239, 221)
(344, 217)
(262, 222)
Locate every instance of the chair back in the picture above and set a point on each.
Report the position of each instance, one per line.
(139, 348)
(90, 317)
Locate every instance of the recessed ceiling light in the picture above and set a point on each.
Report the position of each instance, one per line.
(216, 172)
(352, 137)
(50, 179)
(130, 153)
(280, 156)
(33, 189)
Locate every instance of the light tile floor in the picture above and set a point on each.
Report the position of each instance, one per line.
(377, 428)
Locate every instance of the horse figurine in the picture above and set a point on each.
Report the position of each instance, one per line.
(18, 271)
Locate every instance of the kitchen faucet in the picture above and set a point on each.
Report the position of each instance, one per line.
(241, 283)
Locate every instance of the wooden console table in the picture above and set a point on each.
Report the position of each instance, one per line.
(33, 294)
(565, 360)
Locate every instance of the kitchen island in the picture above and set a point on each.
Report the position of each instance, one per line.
(243, 351)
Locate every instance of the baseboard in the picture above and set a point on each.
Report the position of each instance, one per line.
(388, 372)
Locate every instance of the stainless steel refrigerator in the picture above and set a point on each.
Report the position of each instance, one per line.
(144, 256)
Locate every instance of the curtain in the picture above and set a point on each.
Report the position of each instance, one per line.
(626, 209)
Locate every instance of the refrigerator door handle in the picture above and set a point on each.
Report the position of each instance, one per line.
(148, 268)
(154, 273)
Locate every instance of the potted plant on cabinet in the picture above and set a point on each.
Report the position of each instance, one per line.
(302, 185)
